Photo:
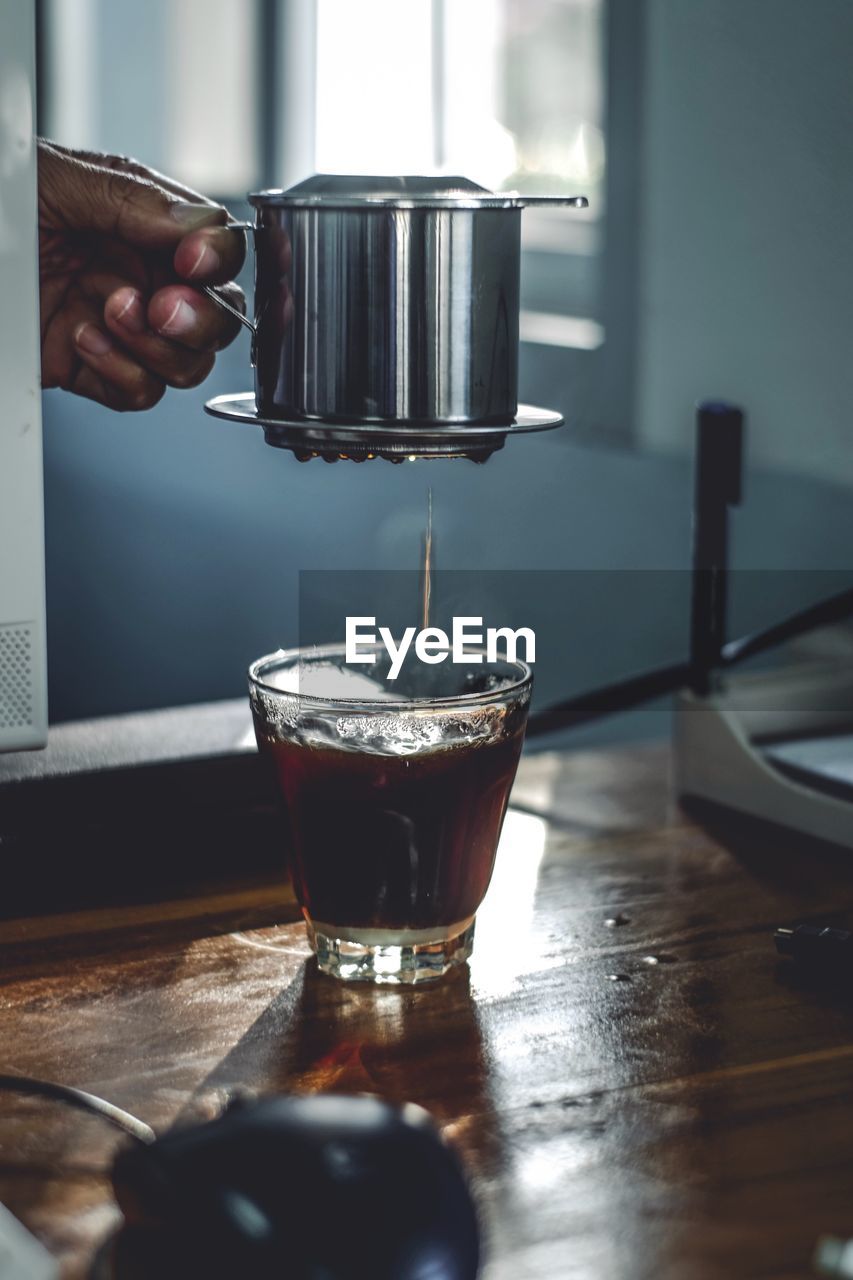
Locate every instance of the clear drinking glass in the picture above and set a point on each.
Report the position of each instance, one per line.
(394, 803)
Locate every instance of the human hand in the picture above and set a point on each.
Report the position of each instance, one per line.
(123, 252)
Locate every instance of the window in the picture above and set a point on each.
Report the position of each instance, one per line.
(509, 93)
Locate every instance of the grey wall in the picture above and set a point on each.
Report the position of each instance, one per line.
(746, 236)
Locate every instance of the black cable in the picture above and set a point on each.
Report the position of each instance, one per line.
(621, 696)
(719, 463)
(88, 1102)
(834, 609)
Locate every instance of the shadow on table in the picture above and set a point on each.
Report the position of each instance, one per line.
(781, 859)
(422, 1046)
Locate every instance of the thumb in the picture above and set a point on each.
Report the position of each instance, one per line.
(76, 194)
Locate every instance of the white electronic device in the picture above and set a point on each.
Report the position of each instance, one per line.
(775, 746)
(23, 662)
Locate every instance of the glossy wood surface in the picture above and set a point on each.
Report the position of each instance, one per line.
(637, 1086)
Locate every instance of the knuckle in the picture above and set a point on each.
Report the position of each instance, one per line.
(180, 378)
(128, 164)
(113, 197)
(125, 196)
(202, 372)
(191, 375)
(146, 394)
(118, 194)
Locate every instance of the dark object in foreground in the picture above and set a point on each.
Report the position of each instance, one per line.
(830, 950)
(298, 1187)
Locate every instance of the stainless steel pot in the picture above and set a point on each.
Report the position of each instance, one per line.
(388, 300)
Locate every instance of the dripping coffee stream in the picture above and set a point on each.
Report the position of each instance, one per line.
(426, 570)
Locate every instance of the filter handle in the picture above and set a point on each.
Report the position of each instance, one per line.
(251, 325)
(226, 306)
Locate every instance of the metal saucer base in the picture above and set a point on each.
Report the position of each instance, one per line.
(363, 441)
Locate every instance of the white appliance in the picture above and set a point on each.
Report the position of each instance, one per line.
(23, 664)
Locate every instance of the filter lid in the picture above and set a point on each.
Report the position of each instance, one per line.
(412, 191)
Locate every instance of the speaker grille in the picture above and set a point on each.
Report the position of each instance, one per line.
(16, 676)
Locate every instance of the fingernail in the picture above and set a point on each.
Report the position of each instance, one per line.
(131, 315)
(196, 215)
(182, 319)
(92, 340)
(207, 261)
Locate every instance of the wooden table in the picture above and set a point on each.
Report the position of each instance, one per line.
(658, 1097)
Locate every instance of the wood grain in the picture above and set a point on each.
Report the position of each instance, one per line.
(656, 1098)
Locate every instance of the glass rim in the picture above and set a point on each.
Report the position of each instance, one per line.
(382, 705)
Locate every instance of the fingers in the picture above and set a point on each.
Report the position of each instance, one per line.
(176, 365)
(134, 358)
(76, 195)
(120, 381)
(211, 256)
(90, 384)
(84, 191)
(192, 319)
(85, 359)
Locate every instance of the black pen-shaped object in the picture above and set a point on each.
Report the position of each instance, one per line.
(719, 462)
(812, 944)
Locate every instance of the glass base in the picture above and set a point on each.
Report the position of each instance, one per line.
(386, 956)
